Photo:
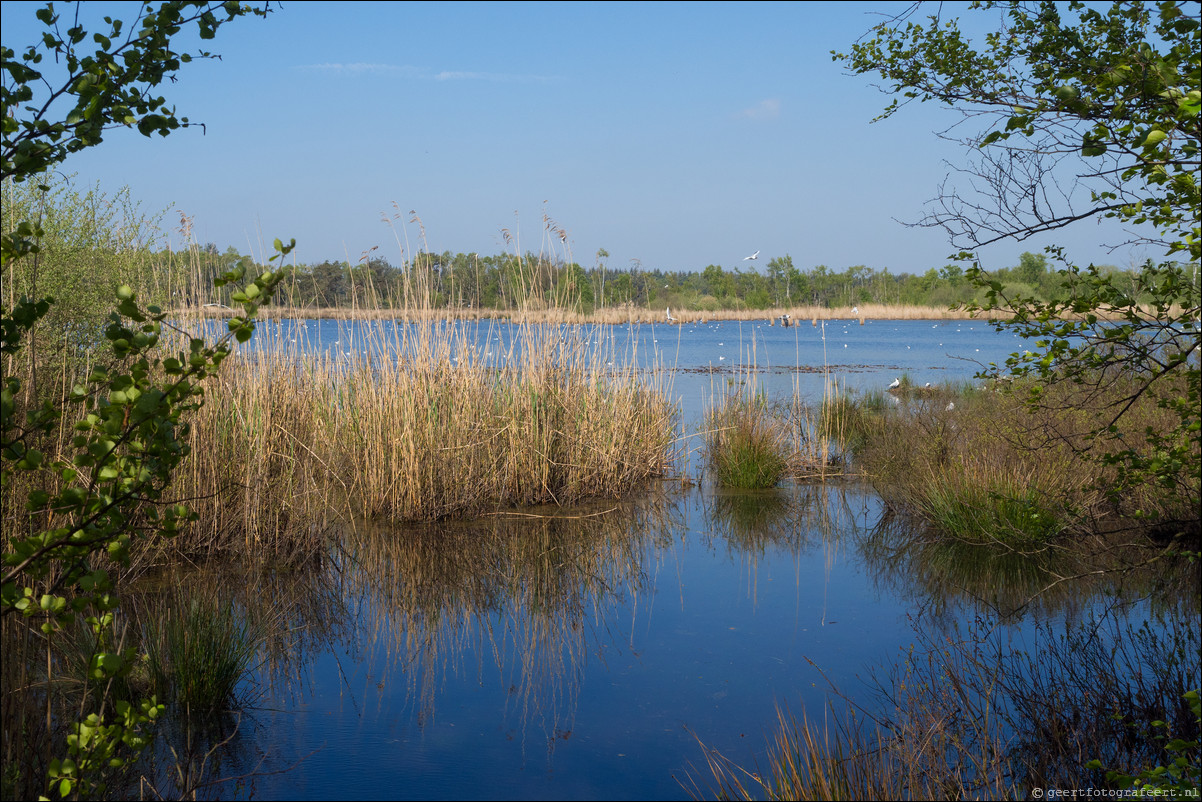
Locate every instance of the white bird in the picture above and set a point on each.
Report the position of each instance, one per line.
(668, 312)
(896, 384)
(755, 255)
(855, 310)
(950, 406)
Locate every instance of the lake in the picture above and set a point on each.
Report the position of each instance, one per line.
(596, 653)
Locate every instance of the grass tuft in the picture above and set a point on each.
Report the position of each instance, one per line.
(198, 654)
(747, 443)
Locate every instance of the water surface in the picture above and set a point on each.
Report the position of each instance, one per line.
(595, 653)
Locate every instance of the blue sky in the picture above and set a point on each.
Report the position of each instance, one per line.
(678, 135)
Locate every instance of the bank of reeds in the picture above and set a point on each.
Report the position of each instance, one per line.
(981, 464)
(614, 315)
(413, 425)
(958, 459)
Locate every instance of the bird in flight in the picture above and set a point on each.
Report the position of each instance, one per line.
(755, 255)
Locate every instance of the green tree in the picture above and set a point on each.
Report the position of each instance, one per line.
(130, 419)
(1105, 98)
(778, 274)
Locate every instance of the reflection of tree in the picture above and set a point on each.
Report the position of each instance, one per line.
(944, 573)
(531, 591)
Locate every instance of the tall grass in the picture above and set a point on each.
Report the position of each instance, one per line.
(414, 425)
(747, 443)
(980, 464)
(198, 653)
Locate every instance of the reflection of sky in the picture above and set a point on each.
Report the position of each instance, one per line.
(723, 632)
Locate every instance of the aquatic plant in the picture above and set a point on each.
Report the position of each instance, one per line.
(746, 443)
(1004, 512)
(197, 654)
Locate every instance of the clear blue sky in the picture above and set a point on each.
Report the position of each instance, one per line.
(675, 134)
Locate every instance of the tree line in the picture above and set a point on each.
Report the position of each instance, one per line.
(509, 281)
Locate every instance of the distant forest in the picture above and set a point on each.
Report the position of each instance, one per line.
(505, 282)
(93, 241)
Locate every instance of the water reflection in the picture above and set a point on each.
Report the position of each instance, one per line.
(558, 653)
(793, 518)
(523, 596)
(948, 577)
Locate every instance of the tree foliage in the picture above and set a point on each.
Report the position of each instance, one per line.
(1076, 111)
(1072, 110)
(126, 424)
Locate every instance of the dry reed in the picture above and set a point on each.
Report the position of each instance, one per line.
(415, 424)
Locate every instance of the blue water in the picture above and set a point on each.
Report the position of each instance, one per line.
(700, 357)
(715, 619)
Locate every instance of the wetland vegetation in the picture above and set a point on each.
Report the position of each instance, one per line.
(195, 520)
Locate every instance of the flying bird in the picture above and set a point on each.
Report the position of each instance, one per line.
(668, 312)
(755, 255)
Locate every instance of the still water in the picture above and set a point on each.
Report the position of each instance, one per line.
(596, 653)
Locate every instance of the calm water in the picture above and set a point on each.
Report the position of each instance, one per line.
(574, 657)
(701, 357)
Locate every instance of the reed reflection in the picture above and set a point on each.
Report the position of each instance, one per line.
(519, 600)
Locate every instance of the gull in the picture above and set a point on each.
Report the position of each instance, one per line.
(754, 256)
(668, 312)
(950, 406)
(896, 384)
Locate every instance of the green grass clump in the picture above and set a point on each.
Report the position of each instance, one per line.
(747, 444)
(979, 513)
(198, 655)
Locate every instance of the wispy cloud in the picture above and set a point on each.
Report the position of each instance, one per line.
(764, 110)
(361, 68)
(421, 73)
(498, 77)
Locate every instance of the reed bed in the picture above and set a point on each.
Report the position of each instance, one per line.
(626, 314)
(964, 468)
(978, 463)
(614, 315)
(414, 425)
